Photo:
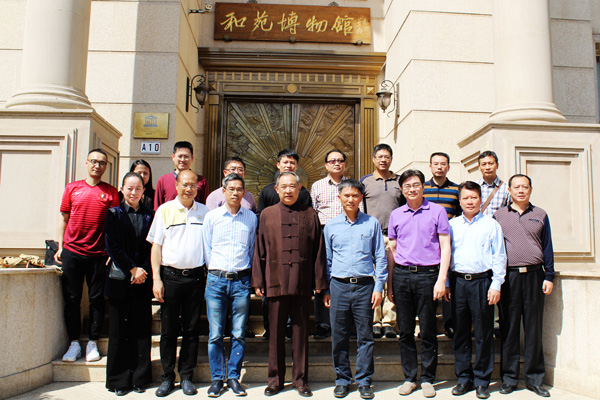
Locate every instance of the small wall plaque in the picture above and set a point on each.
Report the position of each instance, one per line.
(151, 125)
(150, 147)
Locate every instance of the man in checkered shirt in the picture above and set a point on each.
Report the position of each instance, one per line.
(488, 165)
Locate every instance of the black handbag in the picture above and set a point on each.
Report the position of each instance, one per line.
(51, 250)
(115, 272)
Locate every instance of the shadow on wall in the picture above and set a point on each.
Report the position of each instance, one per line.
(553, 324)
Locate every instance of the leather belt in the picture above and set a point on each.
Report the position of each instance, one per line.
(472, 277)
(354, 280)
(525, 268)
(230, 276)
(185, 272)
(419, 268)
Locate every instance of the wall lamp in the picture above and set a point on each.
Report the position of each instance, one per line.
(384, 96)
(200, 92)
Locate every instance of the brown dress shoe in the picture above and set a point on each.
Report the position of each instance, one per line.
(272, 390)
(304, 391)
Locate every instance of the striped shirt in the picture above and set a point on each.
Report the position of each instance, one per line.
(501, 198)
(179, 232)
(87, 206)
(527, 237)
(324, 194)
(445, 195)
(229, 239)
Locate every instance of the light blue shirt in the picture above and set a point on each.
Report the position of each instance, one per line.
(229, 239)
(353, 248)
(478, 246)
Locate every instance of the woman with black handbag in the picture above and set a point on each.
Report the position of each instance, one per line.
(129, 290)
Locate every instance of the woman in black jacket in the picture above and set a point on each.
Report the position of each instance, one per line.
(129, 290)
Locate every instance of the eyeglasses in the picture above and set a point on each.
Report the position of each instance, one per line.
(100, 163)
(189, 185)
(383, 157)
(336, 161)
(236, 169)
(414, 186)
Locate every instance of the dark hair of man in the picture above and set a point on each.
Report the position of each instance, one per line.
(439, 154)
(335, 151)
(469, 185)
(98, 151)
(487, 153)
(382, 146)
(147, 186)
(233, 177)
(409, 173)
(183, 145)
(288, 153)
(287, 173)
(232, 159)
(132, 175)
(519, 176)
(351, 183)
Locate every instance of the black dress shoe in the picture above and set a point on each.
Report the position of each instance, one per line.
(121, 392)
(389, 332)
(377, 332)
(304, 391)
(188, 387)
(340, 391)
(216, 388)
(322, 333)
(507, 388)
(366, 392)
(482, 392)
(272, 390)
(462, 388)
(449, 332)
(236, 388)
(165, 388)
(139, 388)
(249, 334)
(540, 391)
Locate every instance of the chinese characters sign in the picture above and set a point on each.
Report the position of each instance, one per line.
(289, 22)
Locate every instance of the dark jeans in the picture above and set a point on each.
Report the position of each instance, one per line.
(76, 268)
(183, 297)
(522, 298)
(351, 302)
(413, 295)
(470, 306)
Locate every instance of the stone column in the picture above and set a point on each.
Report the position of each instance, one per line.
(523, 62)
(54, 64)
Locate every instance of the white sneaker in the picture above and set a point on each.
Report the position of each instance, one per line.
(91, 351)
(73, 353)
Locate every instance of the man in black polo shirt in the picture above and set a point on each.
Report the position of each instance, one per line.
(529, 277)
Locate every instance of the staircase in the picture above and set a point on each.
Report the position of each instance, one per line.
(387, 355)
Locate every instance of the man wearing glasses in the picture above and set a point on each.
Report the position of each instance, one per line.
(82, 251)
(382, 196)
(233, 165)
(419, 235)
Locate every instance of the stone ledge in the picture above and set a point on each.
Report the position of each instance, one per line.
(33, 270)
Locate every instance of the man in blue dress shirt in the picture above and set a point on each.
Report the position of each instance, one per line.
(354, 242)
(478, 268)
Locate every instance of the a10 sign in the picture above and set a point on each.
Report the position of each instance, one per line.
(150, 148)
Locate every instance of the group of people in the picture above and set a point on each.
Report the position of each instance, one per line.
(375, 254)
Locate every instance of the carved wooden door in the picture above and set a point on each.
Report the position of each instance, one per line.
(256, 132)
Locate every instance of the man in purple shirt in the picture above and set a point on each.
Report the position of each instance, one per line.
(233, 165)
(420, 242)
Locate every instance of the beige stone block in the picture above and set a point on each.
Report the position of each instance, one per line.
(10, 70)
(575, 91)
(573, 10)
(595, 16)
(572, 44)
(13, 16)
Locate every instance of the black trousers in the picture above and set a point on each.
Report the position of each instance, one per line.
(470, 306)
(413, 295)
(322, 318)
(522, 298)
(76, 268)
(183, 297)
(129, 340)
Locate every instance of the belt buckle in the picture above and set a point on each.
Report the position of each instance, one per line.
(185, 272)
(353, 280)
(412, 268)
(230, 276)
(522, 270)
(468, 277)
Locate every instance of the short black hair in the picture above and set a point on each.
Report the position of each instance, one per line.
(335, 151)
(98, 151)
(288, 153)
(233, 177)
(440, 154)
(351, 183)
(487, 153)
(409, 173)
(469, 185)
(183, 145)
(232, 159)
(382, 146)
(132, 175)
(519, 176)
